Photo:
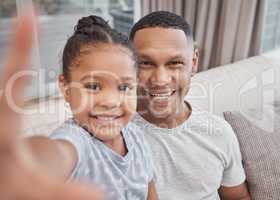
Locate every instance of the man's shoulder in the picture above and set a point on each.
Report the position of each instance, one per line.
(137, 123)
(205, 117)
(212, 126)
(213, 132)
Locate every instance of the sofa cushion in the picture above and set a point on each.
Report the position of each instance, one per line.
(241, 85)
(260, 150)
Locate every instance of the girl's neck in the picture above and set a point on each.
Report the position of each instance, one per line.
(118, 145)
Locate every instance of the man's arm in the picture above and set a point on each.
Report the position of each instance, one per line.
(152, 193)
(239, 192)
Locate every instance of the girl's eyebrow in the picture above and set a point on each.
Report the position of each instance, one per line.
(123, 79)
(87, 76)
(143, 56)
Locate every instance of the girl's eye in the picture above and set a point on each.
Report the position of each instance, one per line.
(145, 64)
(93, 86)
(125, 88)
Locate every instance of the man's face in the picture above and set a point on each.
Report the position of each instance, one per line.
(166, 63)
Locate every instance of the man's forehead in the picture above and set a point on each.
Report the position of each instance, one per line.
(151, 54)
(158, 37)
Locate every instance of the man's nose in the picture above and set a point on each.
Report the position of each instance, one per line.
(160, 76)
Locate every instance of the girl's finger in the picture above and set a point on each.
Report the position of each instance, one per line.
(12, 84)
(20, 45)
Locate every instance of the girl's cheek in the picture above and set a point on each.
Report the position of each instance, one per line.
(81, 101)
(131, 103)
(90, 99)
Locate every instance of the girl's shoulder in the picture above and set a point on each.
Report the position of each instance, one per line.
(69, 127)
(73, 133)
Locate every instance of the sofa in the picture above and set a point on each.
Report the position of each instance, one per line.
(245, 93)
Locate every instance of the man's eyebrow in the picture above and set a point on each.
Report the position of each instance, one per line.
(177, 57)
(174, 57)
(144, 56)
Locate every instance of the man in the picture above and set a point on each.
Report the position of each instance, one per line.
(196, 155)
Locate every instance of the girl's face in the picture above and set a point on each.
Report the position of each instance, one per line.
(101, 89)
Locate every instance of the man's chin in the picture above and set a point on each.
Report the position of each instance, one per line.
(160, 114)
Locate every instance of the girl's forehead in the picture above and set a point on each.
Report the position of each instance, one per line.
(101, 47)
(111, 61)
(105, 53)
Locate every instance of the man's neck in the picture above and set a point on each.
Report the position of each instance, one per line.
(172, 121)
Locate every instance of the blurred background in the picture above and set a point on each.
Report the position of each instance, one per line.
(225, 31)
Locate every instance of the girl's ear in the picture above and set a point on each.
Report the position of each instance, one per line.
(195, 60)
(64, 87)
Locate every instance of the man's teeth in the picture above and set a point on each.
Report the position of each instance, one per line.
(161, 95)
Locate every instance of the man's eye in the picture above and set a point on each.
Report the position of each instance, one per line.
(93, 86)
(176, 62)
(125, 88)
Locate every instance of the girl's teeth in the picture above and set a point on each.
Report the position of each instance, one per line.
(105, 118)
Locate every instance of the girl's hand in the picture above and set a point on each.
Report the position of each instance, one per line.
(18, 179)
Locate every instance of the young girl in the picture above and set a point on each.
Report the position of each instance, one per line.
(99, 83)
(98, 144)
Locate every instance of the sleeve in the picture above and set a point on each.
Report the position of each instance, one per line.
(72, 134)
(233, 174)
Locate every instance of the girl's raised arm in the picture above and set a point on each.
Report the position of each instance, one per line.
(22, 176)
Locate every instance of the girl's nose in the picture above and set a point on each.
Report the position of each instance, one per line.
(110, 100)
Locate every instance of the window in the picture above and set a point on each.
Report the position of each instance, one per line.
(57, 19)
(7, 9)
(271, 34)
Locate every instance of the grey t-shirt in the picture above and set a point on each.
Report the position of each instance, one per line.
(122, 178)
(194, 159)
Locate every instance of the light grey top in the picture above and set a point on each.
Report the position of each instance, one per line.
(122, 178)
(194, 159)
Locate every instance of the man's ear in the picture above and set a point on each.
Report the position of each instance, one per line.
(195, 58)
(64, 87)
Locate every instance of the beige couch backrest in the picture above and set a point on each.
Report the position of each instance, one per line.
(241, 86)
(247, 84)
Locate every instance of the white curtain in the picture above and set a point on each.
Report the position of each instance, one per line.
(224, 30)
